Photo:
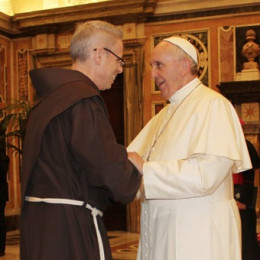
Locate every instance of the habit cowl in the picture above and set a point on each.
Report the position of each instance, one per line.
(70, 158)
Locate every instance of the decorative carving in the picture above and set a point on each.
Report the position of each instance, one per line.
(250, 50)
(250, 112)
(22, 74)
(116, 12)
(63, 41)
(226, 53)
(44, 42)
(3, 82)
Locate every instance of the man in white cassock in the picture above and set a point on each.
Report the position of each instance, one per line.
(187, 154)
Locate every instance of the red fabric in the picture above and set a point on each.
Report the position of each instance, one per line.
(241, 122)
(238, 178)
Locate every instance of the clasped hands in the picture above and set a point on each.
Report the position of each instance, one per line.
(137, 160)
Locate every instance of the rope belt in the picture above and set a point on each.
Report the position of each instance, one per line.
(93, 210)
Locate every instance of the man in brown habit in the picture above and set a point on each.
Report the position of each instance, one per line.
(72, 165)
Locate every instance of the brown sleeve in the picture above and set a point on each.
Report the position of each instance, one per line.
(95, 148)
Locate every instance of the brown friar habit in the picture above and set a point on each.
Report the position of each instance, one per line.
(70, 152)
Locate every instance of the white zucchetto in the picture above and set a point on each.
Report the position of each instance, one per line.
(185, 45)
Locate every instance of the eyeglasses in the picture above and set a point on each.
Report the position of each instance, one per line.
(121, 61)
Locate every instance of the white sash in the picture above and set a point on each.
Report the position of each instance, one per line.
(93, 210)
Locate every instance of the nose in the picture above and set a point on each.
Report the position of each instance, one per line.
(153, 73)
(119, 68)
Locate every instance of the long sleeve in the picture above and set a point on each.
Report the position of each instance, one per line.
(95, 148)
(197, 176)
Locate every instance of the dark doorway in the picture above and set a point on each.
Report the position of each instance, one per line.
(115, 215)
(114, 99)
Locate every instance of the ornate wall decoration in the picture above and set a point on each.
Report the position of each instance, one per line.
(200, 40)
(240, 33)
(129, 30)
(3, 81)
(22, 74)
(231, 42)
(250, 112)
(226, 53)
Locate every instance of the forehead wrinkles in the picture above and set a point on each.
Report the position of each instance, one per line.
(162, 53)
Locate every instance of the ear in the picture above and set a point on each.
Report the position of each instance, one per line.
(98, 55)
(186, 65)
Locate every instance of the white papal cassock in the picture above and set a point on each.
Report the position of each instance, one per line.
(191, 148)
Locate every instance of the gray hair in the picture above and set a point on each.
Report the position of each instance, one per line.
(182, 54)
(85, 34)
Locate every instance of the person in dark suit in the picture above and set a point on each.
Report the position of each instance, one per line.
(245, 195)
(4, 165)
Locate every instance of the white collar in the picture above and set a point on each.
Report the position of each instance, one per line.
(184, 91)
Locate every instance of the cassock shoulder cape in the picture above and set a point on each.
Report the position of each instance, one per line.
(189, 211)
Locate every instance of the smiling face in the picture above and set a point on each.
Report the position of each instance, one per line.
(168, 69)
(104, 60)
(111, 65)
